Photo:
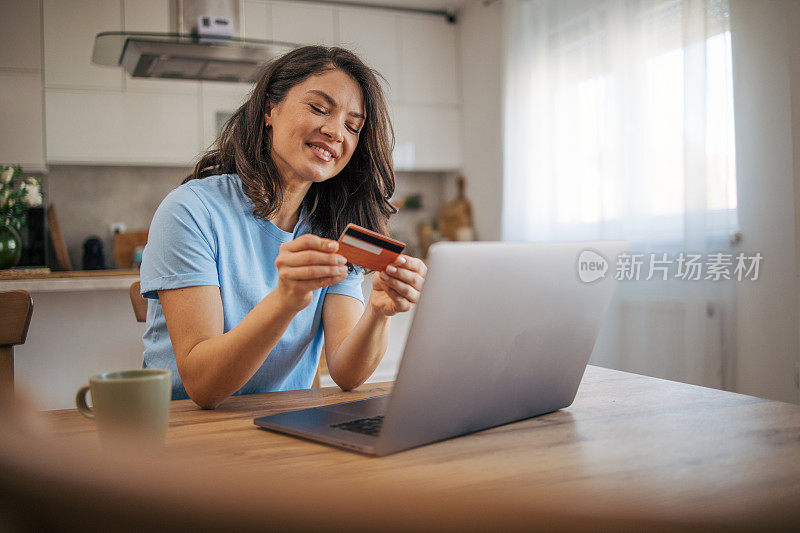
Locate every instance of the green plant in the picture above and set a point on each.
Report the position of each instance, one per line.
(17, 194)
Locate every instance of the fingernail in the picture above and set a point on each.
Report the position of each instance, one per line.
(390, 269)
(331, 245)
(401, 260)
(384, 275)
(341, 260)
(342, 270)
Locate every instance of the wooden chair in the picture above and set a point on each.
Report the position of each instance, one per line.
(16, 308)
(138, 302)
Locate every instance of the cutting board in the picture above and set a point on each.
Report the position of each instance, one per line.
(125, 244)
(57, 238)
(455, 218)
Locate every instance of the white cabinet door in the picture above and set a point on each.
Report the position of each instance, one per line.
(255, 20)
(302, 23)
(83, 127)
(21, 119)
(20, 35)
(165, 128)
(427, 137)
(146, 15)
(428, 52)
(417, 56)
(69, 30)
(219, 101)
(151, 15)
(374, 37)
(117, 128)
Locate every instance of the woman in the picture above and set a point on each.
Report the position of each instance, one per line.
(241, 261)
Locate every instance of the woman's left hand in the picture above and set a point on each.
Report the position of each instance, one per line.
(396, 289)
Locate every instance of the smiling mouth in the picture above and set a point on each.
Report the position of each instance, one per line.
(322, 151)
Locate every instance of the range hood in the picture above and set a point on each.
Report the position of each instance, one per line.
(185, 56)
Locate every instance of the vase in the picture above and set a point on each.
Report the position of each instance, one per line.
(10, 246)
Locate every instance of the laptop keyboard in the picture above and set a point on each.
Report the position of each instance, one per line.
(367, 426)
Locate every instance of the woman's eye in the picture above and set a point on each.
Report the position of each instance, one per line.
(317, 109)
(354, 130)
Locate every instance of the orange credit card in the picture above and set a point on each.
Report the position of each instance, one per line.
(367, 248)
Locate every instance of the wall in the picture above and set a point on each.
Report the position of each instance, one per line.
(481, 59)
(767, 310)
(89, 198)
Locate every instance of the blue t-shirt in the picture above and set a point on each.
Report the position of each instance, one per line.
(205, 233)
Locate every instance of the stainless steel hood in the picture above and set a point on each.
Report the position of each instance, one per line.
(203, 46)
(185, 56)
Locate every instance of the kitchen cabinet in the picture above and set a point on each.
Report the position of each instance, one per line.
(69, 30)
(146, 15)
(417, 56)
(219, 101)
(428, 55)
(21, 139)
(427, 138)
(20, 35)
(255, 20)
(21, 135)
(302, 23)
(122, 128)
(374, 36)
(101, 115)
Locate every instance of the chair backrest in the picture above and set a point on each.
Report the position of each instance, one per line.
(16, 308)
(138, 302)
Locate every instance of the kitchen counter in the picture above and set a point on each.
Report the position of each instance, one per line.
(82, 324)
(78, 280)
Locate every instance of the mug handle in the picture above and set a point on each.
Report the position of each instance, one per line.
(80, 400)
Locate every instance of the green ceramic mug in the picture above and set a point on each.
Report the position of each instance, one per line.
(130, 407)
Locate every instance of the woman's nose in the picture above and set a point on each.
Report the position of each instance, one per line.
(333, 131)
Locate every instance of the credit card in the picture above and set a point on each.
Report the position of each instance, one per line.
(367, 248)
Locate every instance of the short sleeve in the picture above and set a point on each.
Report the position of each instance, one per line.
(181, 248)
(350, 286)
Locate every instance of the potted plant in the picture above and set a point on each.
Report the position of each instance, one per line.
(17, 195)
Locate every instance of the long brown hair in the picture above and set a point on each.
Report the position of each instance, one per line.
(360, 193)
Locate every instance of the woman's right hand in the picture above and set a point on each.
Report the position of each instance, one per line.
(305, 264)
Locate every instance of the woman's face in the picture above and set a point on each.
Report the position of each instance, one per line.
(315, 127)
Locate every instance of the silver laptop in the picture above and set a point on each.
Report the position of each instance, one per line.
(502, 331)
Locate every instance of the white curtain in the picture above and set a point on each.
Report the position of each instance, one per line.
(618, 125)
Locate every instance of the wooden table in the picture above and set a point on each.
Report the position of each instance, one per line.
(632, 452)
